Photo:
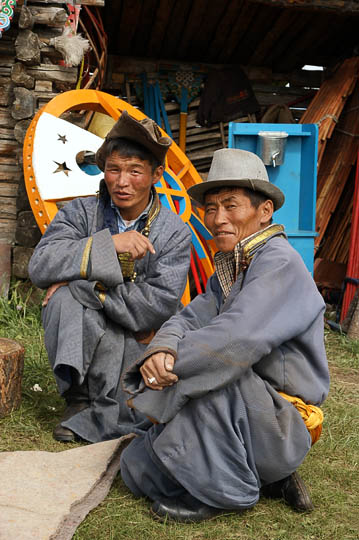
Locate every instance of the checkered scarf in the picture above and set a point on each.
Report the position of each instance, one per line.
(230, 265)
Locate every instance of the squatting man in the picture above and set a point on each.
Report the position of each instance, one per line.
(115, 267)
(233, 381)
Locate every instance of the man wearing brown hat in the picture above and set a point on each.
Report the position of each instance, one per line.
(234, 380)
(115, 267)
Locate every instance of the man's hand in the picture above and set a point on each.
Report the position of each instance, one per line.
(50, 291)
(134, 243)
(158, 369)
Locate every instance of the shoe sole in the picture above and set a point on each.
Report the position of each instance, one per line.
(64, 439)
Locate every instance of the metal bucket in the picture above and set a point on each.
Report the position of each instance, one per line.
(272, 147)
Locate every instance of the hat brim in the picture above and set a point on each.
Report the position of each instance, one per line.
(128, 127)
(198, 191)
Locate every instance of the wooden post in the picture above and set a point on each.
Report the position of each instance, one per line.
(353, 330)
(5, 268)
(11, 369)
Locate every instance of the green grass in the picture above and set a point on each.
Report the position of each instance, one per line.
(330, 470)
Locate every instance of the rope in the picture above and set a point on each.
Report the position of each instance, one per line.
(332, 116)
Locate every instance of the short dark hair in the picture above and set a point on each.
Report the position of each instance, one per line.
(128, 148)
(255, 197)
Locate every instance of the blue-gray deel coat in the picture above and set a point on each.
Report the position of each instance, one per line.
(227, 430)
(95, 335)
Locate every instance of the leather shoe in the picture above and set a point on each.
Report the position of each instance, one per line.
(63, 434)
(293, 490)
(184, 510)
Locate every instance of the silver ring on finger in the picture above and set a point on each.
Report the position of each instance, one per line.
(151, 380)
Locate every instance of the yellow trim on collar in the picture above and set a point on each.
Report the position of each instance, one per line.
(260, 239)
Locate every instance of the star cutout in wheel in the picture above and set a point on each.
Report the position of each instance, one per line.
(62, 138)
(62, 167)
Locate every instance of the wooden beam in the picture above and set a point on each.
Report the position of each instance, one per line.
(98, 3)
(342, 6)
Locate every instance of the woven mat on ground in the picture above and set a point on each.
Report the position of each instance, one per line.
(45, 495)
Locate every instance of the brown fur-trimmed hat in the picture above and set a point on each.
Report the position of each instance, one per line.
(145, 132)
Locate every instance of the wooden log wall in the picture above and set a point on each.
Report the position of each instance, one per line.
(30, 76)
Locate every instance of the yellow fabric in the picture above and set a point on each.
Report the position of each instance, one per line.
(86, 258)
(313, 416)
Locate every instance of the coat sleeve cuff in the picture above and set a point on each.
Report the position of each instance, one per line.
(103, 262)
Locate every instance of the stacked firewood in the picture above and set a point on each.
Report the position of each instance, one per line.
(335, 110)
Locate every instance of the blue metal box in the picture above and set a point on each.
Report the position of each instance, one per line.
(296, 177)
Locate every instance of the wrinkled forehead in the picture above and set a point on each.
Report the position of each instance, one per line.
(220, 194)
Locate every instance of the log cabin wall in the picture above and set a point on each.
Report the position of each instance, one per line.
(30, 76)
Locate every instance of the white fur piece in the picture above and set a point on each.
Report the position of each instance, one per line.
(71, 46)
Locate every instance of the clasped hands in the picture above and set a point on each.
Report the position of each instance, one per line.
(157, 371)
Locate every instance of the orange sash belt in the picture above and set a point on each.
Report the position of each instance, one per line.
(313, 416)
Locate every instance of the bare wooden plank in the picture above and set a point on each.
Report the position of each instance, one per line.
(51, 16)
(130, 17)
(200, 40)
(7, 133)
(6, 119)
(98, 3)
(247, 40)
(311, 37)
(196, 20)
(47, 72)
(163, 15)
(6, 94)
(176, 26)
(8, 190)
(286, 19)
(313, 5)
(7, 207)
(243, 19)
(144, 30)
(5, 270)
(287, 43)
(8, 147)
(7, 230)
(10, 173)
(224, 27)
(8, 160)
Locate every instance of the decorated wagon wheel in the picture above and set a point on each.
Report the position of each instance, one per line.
(52, 173)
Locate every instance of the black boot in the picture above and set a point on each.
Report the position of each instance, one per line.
(77, 400)
(293, 490)
(64, 434)
(185, 509)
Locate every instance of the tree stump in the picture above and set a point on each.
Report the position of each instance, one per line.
(11, 369)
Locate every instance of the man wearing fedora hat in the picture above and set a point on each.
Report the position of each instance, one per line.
(234, 380)
(115, 267)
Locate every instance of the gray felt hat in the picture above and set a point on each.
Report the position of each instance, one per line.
(237, 168)
(145, 132)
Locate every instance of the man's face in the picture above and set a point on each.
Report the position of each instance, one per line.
(129, 181)
(230, 217)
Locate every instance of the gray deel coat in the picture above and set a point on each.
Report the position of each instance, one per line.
(98, 339)
(226, 428)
